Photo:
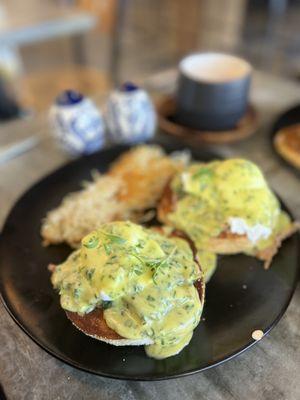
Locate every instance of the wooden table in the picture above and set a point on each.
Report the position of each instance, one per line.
(268, 371)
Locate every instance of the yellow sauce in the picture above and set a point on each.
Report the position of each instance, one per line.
(143, 280)
(212, 193)
(208, 262)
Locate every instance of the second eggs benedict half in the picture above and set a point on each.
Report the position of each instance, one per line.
(226, 207)
(128, 285)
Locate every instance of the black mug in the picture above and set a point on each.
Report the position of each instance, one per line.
(213, 91)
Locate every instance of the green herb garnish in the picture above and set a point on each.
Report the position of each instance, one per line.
(107, 249)
(114, 238)
(106, 304)
(157, 265)
(89, 273)
(203, 172)
(76, 292)
(92, 242)
(138, 257)
(137, 269)
(137, 288)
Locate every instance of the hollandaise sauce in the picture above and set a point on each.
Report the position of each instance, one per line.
(143, 280)
(214, 195)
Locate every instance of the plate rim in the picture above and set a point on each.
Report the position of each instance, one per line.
(141, 378)
(274, 130)
(153, 378)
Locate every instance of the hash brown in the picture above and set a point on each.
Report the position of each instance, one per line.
(133, 185)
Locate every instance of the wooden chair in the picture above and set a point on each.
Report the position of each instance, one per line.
(39, 89)
(111, 15)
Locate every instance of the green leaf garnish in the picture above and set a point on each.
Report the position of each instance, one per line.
(106, 304)
(89, 273)
(107, 249)
(138, 270)
(203, 172)
(76, 292)
(157, 265)
(92, 242)
(114, 238)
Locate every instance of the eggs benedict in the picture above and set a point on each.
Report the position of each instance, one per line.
(128, 285)
(226, 207)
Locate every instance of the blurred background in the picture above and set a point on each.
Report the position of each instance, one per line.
(92, 45)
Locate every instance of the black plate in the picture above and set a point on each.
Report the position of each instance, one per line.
(241, 297)
(289, 117)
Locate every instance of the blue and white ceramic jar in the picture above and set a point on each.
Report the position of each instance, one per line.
(77, 124)
(130, 115)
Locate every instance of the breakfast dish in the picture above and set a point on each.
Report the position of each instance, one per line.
(287, 144)
(240, 299)
(132, 186)
(128, 285)
(226, 207)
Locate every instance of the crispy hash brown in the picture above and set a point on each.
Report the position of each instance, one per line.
(144, 172)
(79, 212)
(133, 185)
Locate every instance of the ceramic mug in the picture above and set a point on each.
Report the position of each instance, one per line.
(213, 91)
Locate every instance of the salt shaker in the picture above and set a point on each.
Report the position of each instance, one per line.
(130, 115)
(78, 125)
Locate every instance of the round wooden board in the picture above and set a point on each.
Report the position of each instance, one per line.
(166, 107)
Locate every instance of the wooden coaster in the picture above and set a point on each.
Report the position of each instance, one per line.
(166, 107)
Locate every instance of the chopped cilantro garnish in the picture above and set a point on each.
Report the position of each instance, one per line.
(92, 242)
(114, 238)
(203, 172)
(150, 298)
(106, 304)
(89, 273)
